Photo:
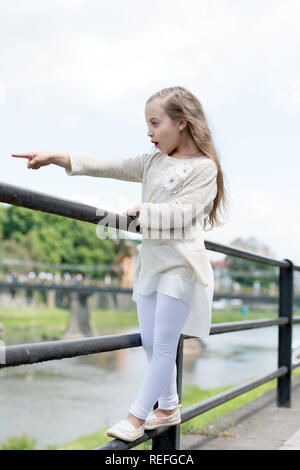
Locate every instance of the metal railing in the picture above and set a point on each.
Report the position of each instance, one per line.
(166, 437)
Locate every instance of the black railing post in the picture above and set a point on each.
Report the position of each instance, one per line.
(285, 335)
(170, 440)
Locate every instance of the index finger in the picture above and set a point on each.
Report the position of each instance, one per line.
(22, 155)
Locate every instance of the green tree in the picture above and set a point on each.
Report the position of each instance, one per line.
(38, 236)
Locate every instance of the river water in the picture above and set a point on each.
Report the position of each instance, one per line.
(58, 401)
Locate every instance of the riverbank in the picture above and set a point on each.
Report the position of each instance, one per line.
(190, 395)
(23, 325)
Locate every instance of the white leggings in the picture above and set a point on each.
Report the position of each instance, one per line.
(161, 319)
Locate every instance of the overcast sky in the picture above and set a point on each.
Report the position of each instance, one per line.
(75, 76)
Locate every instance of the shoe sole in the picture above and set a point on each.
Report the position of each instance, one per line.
(154, 426)
(121, 436)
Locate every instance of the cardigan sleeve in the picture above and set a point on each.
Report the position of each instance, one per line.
(128, 169)
(199, 191)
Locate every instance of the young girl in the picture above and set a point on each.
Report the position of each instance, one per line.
(182, 189)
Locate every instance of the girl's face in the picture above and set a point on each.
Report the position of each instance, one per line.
(161, 128)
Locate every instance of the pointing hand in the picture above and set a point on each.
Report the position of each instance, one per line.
(35, 159)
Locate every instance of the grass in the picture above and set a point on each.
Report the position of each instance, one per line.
(28, 324)
(21, 442)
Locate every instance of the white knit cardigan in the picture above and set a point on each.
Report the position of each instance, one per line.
(176, 195)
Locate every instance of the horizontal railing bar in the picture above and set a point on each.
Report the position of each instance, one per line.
(296, 319)
(64, 207)
(233, 251)
(246, 325)
(31, 353)
(212, 402)
(81, 288)
(106, 289)
(248, 297)
(196, 409)
(93, 288)
(35, 200)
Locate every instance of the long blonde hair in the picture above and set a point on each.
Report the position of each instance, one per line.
(178, 102)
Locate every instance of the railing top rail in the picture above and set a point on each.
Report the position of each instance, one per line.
(240, 253)
(35, 200)
(31, 353)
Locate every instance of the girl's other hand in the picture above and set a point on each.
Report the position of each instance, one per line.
(133, 211)
(35, 159)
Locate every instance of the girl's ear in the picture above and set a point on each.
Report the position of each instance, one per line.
(182, 123)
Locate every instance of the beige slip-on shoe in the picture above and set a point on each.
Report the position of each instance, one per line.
(153, 421)
(126, 431)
